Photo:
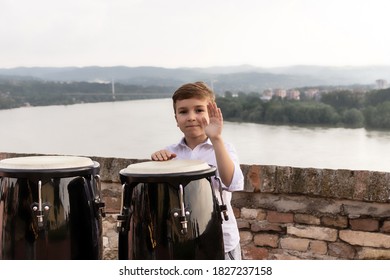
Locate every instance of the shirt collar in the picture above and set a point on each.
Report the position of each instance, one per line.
(207, 142)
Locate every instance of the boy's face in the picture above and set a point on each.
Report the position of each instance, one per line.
(189, 115)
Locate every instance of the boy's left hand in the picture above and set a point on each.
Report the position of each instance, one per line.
(213, 128)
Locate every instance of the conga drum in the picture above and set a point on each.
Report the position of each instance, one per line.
(50, 208)
(169, 211)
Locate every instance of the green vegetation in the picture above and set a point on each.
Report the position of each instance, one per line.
(18, 93)
(339, 108)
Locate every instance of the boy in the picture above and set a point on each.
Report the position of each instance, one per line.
(200, 120)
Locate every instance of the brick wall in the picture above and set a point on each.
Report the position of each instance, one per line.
(295, 213)
(288, 212)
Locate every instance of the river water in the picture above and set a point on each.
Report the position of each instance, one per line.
(135, 129)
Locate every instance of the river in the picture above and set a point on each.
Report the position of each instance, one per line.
(135, 129)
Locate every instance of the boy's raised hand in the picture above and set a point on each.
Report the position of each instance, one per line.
(213, 128)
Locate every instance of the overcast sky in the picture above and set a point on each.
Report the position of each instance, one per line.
(194, 33)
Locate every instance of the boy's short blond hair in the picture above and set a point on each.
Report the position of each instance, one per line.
(197, 90)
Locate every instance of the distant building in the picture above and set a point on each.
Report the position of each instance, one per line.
(293, 94)
(381, 84)
(311, 93)
(267, 95)
(280, 93)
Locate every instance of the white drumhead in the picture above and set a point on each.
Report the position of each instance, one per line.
(166, 167)
(45, 162)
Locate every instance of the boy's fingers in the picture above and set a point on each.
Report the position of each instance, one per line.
(157, 156)
(162, 155)
(204, 122)
(211, 108)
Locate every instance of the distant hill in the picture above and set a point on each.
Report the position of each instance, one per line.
(236, 78)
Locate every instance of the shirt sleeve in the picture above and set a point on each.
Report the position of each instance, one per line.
(237, 183)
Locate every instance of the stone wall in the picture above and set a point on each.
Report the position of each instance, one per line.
(288, 212)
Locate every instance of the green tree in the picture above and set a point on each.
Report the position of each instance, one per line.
(379, 116)
(353, 118)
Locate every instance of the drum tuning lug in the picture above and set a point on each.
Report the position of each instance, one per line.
(184, 223)
(183, 212)
(176, 214)
(123, 217)
(99, 204)
(40, 210)
(120, 220)
(100, 207)
(223, 207)
(122, 224)
(224, 212)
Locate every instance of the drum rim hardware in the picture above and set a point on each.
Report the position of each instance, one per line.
(183, 212)
(40, 208)
(49, 173)
(99, 205)
(222, 206)
(123, 214)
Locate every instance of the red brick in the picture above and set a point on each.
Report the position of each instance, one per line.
(338, 221)
(264, 239)
(364, 224)
(277, 217)
(386, 227)
(251, 252)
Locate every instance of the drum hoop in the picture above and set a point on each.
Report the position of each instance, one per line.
(173, 178)
(51, 173)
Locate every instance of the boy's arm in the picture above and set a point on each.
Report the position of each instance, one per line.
(213, 130)
(224, 162)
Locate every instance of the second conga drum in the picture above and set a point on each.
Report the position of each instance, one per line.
(50, 208)
(169, 211)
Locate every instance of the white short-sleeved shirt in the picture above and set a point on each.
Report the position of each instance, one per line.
(205, 152)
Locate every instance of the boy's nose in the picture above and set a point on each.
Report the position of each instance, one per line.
(191, 116)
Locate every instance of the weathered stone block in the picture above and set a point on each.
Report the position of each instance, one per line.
(365, 239)
(306, 219)
(253, 214)
(313, 232)
(373, 254)
(266, 226)
(341, 250)
(246, 237)
(298, 244)
(318, 247)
